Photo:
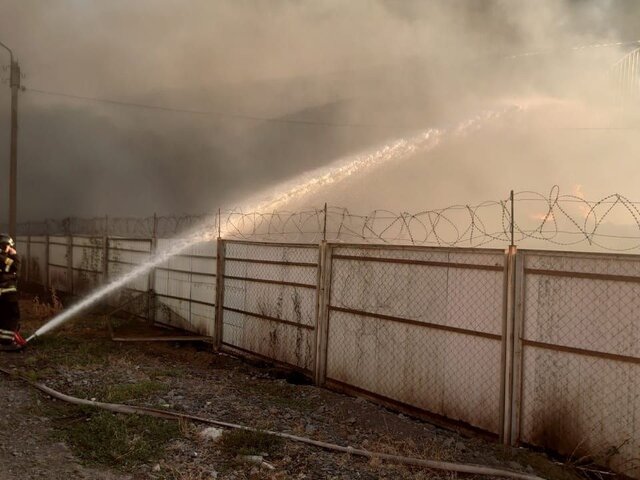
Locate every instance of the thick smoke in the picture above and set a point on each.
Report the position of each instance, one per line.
(359, 72)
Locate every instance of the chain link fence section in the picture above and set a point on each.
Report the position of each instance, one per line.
(419, 327)
(580, 373)
(34, 258)
(123, 255)
(87, 263)
(270, 297)
(185, 288)
(60, 278)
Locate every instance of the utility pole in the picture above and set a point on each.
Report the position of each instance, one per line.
(14, 83)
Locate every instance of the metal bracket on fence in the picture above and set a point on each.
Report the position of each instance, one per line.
(150, 296)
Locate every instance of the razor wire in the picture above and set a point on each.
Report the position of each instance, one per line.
(539, 220)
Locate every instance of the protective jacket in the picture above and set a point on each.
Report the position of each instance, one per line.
(9, 265)
(9, 307)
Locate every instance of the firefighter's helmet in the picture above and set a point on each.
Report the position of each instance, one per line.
(5, 239)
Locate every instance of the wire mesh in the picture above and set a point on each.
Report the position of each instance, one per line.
(422, 328)
(581, 357)
(185, 288)
(88, 268)
(270, 301)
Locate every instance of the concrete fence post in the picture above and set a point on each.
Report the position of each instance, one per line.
(508, 342)
(27, 271)
(69, 257)
(47, 278)
(518, 325)
(219, 315)
(322, 312)
(151, 282)
(105, 251)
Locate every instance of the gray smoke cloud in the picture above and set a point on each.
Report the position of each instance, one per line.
(360, 72)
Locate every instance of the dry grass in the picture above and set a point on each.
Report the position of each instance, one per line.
(427, 449)
(42, 309)
(430, 448)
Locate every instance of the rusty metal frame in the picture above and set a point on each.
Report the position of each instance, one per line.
(177, 270)
(86, 270)
(578, 254)
(273, 244)
(417, 323)
(269, 318)
(120, 262)
(416, 248)
(427, 263)
(130, 239)
(585, 275)
(80, 235)
(88, 247)
(272, 282)
(272, 262)
(57, 265)
(582, 351)
(190, 255)
(129, 250)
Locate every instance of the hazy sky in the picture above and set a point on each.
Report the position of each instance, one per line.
(365, 71)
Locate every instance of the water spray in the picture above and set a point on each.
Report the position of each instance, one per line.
(301, 186)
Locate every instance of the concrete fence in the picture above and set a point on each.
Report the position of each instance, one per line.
(534, 347)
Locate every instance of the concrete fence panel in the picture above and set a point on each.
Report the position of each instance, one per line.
(269, 304)
(419, 327)
(185, 288)
(580, 377)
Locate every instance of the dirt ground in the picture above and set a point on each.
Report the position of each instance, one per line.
(41, 438)
(28, 448)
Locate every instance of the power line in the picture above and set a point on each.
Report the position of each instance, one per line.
(209, 113)
(254, 118)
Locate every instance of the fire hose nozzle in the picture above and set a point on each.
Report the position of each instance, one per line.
(17, 338)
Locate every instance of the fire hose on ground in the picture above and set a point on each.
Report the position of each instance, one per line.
(170, 415)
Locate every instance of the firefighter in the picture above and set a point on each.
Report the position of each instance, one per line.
(10, 338)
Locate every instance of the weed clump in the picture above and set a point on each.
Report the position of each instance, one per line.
(122, 392)
(117, 440)
(42, 309)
